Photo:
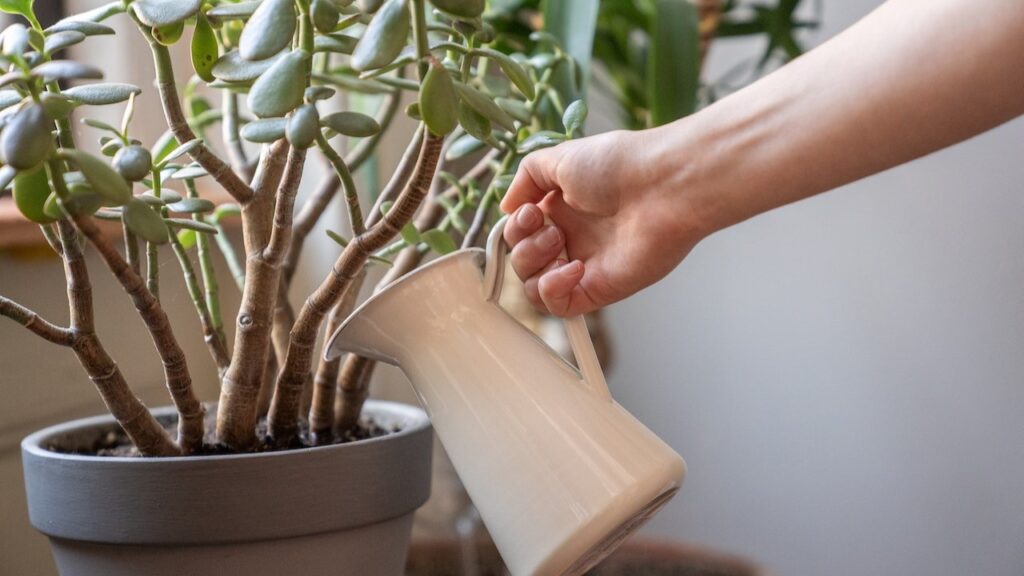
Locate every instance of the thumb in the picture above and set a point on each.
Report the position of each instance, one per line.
(534, 179)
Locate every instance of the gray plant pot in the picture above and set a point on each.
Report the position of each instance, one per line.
(343, 510)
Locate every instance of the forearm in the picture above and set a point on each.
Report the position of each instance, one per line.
(912, 77)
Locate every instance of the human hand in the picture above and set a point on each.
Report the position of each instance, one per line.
(614, 207)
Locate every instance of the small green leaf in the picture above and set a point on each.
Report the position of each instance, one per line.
(325, 15)
(542, 139)
(31, 189)
(303, 126)
(192, 206)
(475, 124)
(410, 234)
(9, 98)
(102, 177)
(133, 163)
(269, 30)
(337, 43)
(180, 151)
(280, 89)
(101, 125)
(314, 93)
(23, 7)
(460, 8)
(188, 224)
(170, 34)
(462, 147)
(439, 241)
(82, 199)
(102, 94)
(264, 131)
(15, 39)
(26, 140)
(231, 67)
(98, 14)
(145, 222)
(384, 37)
(351, 124)
(187, 239)
(225, 210)
(438, 101)
(512, 69)
(204, 48)
(83, 26)
(61, 40)
(190, 172)
(515, 108)
(229, 11)
(574, 116)
(165, 12)
(66, 70)
(57, 106)
(485, 106)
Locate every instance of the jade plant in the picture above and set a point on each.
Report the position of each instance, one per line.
(282, 73)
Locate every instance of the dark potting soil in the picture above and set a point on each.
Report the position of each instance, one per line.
(116, 443)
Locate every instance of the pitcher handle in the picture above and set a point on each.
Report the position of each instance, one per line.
(575, 326)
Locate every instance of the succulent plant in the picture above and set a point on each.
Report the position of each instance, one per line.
(283, 69)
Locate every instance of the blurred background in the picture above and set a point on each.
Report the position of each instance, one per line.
(844, 376)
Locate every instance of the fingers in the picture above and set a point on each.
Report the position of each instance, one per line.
(527, 220)
(558, 290)
(533, 181)
(533, 253)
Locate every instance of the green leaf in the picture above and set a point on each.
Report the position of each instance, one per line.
(179, 151)
(102, 94)
(280, 89)
(325, 15)
(264, 131)
(515, 108)
(573, 24)
(31, 189)
(485, 105)
(542, 139)
(83, 26)
(410, 234)
(82, 199)
(9, 98)
(438, 100)
(188, 224)
(97, 14)
(66, 70)
(384, 37)
(231, 67)
(673, 74)
(190, 172)
(475, 124)
(229, 11)
(15, 39)
(574, 116)
(269, 30)
(23, 7)
(462, 147)
(61, 40)
(170, 34)
(303, 126)
(102, 177)
(26, 140)
(192, 206)
(145, 222)
(314, 93)
(187, 239)
(225, 210)
(157, 13)
(57, 106)
(133, 163)
(338, 43)
(460, 8)
(204, 49)
(515, 72)
(439, 241)
(351, 124)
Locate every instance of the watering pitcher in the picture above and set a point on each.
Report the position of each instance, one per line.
(559, 472)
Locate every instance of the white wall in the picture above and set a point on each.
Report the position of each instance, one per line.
(845, 376)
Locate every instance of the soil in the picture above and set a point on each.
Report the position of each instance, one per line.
(114, 442)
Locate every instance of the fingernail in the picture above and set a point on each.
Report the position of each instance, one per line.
(571, 269)
(528, 216)
(550, 237)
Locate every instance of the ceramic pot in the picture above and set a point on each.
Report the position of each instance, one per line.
(343, 510)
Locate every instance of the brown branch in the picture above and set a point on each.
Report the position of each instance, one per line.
(176, 121)
(148, 436)
(297, 363)
(264, 229)
(36, 323)
(353, 389)
(176, 373)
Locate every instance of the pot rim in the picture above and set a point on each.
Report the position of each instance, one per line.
(415, 419)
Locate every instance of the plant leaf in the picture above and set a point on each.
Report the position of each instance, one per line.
(156, 13)
(512, 69)
(439, 241)
(84, 26)
(264, 131)
(673, 74)
(231, 67)
(269, 30)
(204, 49)
(439, 100)
(303, 126)
(351, 124)
(542, 139)
(31, 189)
(280, 89)
(384, 38)
(485, 105)
(26, 140)
(61, 40)
(66, 70)
(102, 94)
(100, 175)
(145, 222)
(574, 116)
(23, 7)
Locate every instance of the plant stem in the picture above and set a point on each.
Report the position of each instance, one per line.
(216, 345)
(131, 247)
(205, 255)
(153, 251)
(321, 414)
(355, 212)
(36, 323)
(229, 132)
(297, 362)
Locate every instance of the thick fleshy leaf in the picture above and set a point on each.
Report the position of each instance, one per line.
(190, 172)
(463, 146)
(192, 206)
(231, 67)
(439, 241)
(82, 199)
(15, 39)
(325, 15)
(573, 23)
(515, 72)
(31, 189)
(26, 140)
(515, 108)
(170, 34)
(351, 124)
(314, 93)
(542, 139)
(165, 12)
(107, 182)
(9, 98)
(280, 89)
(97, 14)
(337, 43)
(82, 26)
(574, 116)
(264, 131)
(180, 150)
(102, 94)
(23, 7)
(474, 123)
(228, 11)
(66, 70)
(303, 126)
(145, 222)
(57, 106)
(133, 163)
(439, 104)
(269, 30)
(673, 73)
(485, 105)
(194, 225)
(204, 48)
(61, 40)
(384, 37)
(187, 239)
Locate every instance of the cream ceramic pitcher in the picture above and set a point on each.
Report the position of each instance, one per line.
(559, 472)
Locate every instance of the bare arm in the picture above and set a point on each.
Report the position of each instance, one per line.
(912, 77)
